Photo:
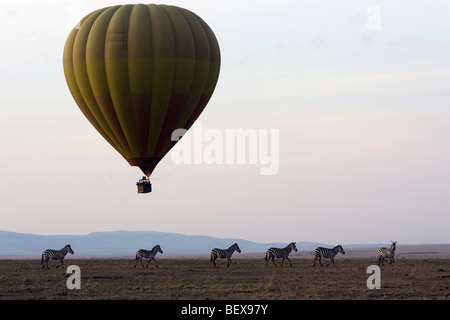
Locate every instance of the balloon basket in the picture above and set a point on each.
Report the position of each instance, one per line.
(144, 185)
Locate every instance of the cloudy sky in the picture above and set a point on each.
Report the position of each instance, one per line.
(358, 92)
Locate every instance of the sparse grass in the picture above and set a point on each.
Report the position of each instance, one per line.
(245, 279)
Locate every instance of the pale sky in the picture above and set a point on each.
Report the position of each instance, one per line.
(359, 92)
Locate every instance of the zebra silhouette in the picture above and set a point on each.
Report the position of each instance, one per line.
(273, 253)
(147, 254)
(55, 255)
(384, 253)
(224, 254)
(322, 252)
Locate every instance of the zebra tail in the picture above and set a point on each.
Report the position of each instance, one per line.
(265, 258)
(42, 259)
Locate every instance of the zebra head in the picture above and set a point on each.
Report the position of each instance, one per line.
(69, 249)
(236, 247)
(157, 248)
(393, 245)
(341, 250)
(293, 246)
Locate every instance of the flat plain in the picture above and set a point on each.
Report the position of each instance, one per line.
(247, 278)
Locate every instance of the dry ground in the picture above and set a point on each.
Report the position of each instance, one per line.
(245, 279)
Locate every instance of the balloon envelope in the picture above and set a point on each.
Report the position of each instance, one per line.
(138, 72)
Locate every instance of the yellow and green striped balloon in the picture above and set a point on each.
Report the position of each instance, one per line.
(138, 72)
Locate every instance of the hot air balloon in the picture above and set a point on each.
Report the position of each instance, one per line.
(138, 72)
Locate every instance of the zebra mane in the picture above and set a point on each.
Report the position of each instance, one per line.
(155, 247)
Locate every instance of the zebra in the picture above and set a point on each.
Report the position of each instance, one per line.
(321, 252)
(150, 255)
(55, 255)
(223, 253)
(273, 253)
(384, 253)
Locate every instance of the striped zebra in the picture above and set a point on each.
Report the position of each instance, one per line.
(223, 253)
(273, 253)
(384, 253)
(147, 254)
(55, 255)
(321, 252)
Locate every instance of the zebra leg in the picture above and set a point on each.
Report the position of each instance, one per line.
(148, 262)
(142, 264)
(331, 261)
(211, 260)
(282, 261)
(136, 259)
(289, 261)
(316, 256)
(229, 262)
(273, 260)
(62, 264)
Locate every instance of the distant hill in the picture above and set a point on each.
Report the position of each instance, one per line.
(119, 244)
(127, 243)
